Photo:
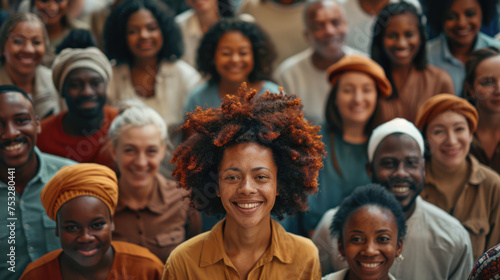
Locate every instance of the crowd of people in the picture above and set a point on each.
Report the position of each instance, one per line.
(250, 139)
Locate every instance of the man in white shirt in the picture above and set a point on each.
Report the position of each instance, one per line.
(304, 74)
(436, 245)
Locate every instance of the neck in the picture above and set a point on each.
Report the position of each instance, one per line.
(146, 63)
(323, 63)
(446, 173)
(240, 240)
(71, 267)
(372, 7)
(137, 196)
(80, 126)
(208, 18)
(22, 174)
(489, 122)
(354, 133)
(25, 82)
(461, 52)
(54, 30)
(400, 74)
(230, 88)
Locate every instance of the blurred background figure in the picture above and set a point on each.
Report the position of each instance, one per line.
(398, 45)
(161, 213)
(23, 43)
(195, 22)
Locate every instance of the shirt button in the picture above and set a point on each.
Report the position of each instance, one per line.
(31, 248)
(138, 217)
(26, 226)
(21, 202)
(140, 232)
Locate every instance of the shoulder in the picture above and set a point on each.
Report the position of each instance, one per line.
(110, 112)
(298, 247)
(189, 250)
(484, 175)
(51, 121)
(54, 162)
(293, 62)
(339, 275)
(269, 86)
(488, 41)
(184, 16)
(442, 224)
(179, 66)
(47, 265)
(125, 250)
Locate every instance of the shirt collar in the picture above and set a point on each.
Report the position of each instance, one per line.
(476, 176)
(213, 246)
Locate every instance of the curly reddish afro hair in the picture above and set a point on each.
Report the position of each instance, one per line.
(272, 120)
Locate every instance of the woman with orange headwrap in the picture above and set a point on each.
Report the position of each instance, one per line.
(455, 181)
(253, 157)
(87, 250)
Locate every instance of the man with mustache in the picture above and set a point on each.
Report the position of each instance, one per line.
(436, 245)
(26, 232)
(81, 133)
(304, 74)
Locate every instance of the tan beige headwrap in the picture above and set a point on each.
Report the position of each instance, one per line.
(82, 179)
(69, 59)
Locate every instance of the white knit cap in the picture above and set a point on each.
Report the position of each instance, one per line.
(397, 125)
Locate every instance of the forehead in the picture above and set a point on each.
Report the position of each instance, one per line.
(489, 66)
(463, 4)
(27, 29)
(140, 17)
(15, 101)
(397, 145)
(81, 73)
(325, 8)
(234, 37)
(72, 209)
(370, 217)
(247, 155)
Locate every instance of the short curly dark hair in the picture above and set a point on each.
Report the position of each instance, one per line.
(371, 194)
(272, 120)
(436, 9)
(262, 49)
(115, 31)
(378, 52)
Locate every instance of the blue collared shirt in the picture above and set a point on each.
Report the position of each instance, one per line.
(34, 233)
(439, 55)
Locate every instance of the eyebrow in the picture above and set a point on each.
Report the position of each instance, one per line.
(93, 220)
(239, 170)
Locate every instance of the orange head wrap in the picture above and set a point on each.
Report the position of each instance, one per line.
(361, 64)
(80, 180)
(441, 103)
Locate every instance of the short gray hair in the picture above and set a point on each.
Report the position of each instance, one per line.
(137, 116)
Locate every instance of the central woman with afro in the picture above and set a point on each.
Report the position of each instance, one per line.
(252, 157)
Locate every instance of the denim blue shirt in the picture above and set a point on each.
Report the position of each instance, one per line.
(439, 55)
(34, 231)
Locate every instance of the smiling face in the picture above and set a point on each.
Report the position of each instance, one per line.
(85, 93)
(234, 57)
(138, 154)
(399, 167)
(326, 28)
(248, 185)
(51, 11)
(24, 49)
(18, 131)
(487, 85)
(85, 235)
(370, 242)
(356, 98)
(449, 139)
(402, 39)
(462, 22)
(144, 37)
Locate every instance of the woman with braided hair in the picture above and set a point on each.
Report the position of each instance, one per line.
(252, 157)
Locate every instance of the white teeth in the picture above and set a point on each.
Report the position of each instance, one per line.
(370, 265)
(14, 147)
(400, 189)
(248, 205)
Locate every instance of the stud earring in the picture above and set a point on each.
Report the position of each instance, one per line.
(341, 257)
(400, 258)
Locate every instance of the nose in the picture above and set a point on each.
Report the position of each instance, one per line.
(370, 249)
(401, 171)
(86, 236)
(330, 29)
(10, 131)
(246, 187)
(28, 47)
(235, 57)
(402, 42)
(52, 6)
(141, 160)
(462, 21)
(87, 89)
(144, 33)
(452, 138)
(358, 96)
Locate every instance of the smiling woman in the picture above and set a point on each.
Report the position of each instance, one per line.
(23, 42)
(399, 47)
(87, 250)
(370, 227)
(253, 157)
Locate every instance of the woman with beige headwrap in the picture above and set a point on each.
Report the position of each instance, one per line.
(87, 250)
(455, 180)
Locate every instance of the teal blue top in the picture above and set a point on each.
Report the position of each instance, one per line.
(35, 232)
(206, 95)
(333, 188)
